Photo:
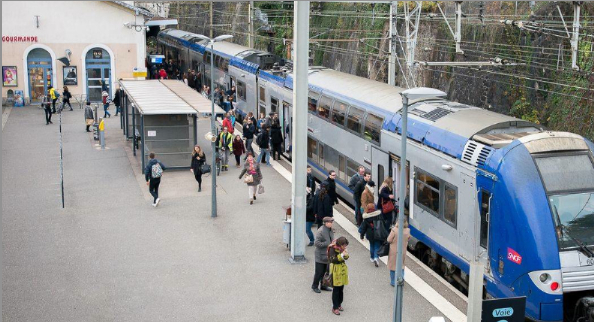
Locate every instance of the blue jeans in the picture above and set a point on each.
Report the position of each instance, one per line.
(105, 106)
(262, 152)
(308, 230)
(393, 277)
(373, 248)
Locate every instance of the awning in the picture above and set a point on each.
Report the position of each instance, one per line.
(152, 97)
(200, 103)
(163, 22)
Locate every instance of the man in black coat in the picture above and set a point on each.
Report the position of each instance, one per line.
(311, 182)
(332, 186)
(263, 142)
(357, 192)
(248, 134)
(276, 138)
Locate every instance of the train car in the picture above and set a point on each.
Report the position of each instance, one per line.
(524, 194)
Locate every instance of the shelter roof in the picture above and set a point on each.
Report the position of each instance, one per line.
(200, 103)
(152, 97)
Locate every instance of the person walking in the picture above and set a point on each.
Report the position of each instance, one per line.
(385, 196)
(276, 138)
(357, 192)
(152, 174)
(232, 118)
(311, 181)
(116, 102)
(250, 116)
(162, 74)
(369, 228)
(324, 237)
(367, 195)
(198, 160)
(310, 217)
(263, 141)
(252, 168)
(54, 96)
(355, 179)
(331, 183)
(261, 122)
(238, 149)
(226, 146)
(337, 256)
(105, 100)
(89, 117)
(393, 241)
(47, 108)
(248, 133)
(322, 204)
(227, 123)
(67, 97)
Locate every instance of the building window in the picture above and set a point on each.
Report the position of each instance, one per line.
(312, 102)
(373, 127)
(241, 90)
(339, 112)
(273, 104)
(355, 119)
(427, 192)
(324, 107)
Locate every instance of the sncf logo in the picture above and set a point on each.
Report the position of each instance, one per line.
(513, 256)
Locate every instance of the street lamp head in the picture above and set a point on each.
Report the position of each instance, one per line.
(222, 37)
(422, 93)
(203, 37)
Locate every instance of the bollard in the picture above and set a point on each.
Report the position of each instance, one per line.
(102, 133)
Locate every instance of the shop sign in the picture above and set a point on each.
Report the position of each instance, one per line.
(19, 38)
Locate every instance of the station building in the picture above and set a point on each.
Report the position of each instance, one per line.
(81, 44)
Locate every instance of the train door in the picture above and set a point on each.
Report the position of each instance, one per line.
(395, 173)
(287, 121)
(380, 166)
(485, 205)
(261, 99)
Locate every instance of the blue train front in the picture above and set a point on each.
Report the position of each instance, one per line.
(542, 225)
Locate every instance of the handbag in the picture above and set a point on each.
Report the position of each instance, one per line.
(327, 279)
(379, 230)
(205, 168)
(248, 178)
(387, 206)
(260, 189)
(384, 249)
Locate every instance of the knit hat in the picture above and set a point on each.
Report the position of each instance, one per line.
(370, 208)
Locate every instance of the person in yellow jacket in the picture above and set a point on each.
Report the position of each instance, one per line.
(337, 256)
(54, 96)
(226, 147)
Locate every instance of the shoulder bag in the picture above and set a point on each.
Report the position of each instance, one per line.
(205, 168)
(384, 249)
(248, 178)
(327, 279)
(387, 206)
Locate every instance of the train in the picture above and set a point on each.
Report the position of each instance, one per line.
(524, 194)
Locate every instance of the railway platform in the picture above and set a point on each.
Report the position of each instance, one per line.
(110, 255)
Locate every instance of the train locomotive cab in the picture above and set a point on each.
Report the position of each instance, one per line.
(542, 225)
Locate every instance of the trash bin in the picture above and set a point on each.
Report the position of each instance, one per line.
(287, 227)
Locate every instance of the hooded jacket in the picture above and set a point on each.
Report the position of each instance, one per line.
(369, 219)
(367, 196)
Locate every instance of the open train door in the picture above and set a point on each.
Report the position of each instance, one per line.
(485, 184)
(380, 167)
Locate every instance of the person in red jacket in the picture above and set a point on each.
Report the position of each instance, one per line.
(162, 74)
(238, 149)
(227, 123)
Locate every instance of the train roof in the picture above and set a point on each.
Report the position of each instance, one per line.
(228, 48)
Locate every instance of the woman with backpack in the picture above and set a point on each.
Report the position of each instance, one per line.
(238, 149)
(253, 176)
(372, 227)
(198, 160)
(67, 97)
(337, 256)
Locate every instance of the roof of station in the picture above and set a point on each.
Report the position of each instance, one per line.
(200, 103)
(152, 97)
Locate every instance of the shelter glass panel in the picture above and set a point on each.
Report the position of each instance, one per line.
(355, 119)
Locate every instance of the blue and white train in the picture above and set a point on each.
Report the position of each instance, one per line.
(527, 192)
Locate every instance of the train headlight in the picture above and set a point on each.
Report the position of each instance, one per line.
(544, 277)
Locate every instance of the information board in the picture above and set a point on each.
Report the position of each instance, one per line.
(511, 309)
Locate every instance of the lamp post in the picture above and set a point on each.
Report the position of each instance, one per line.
(211, 42)
(413, 94)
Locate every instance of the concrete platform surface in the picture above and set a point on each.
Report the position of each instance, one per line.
(111, 256)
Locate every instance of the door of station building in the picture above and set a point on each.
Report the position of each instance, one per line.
(98, 73)
(39, 71)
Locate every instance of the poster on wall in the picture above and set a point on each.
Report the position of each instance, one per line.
(70, 75)
(9, 76)
(19, 98)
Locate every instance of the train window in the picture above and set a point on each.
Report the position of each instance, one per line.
(241, 90)
(339, 111)
(380, 174)
(352, 168)
(427, 192)
(331, 159)
(373, 127)
(262, 97)
(324, 107)
(224, 64)
(342, 168)
(274, 104)
(207, 57)
(450, 204)
(355, 119)
(312, 149)
(485, 211)
(312, 102)
(321, 155)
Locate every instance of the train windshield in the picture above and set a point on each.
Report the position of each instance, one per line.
(574, 219)
(569, 181)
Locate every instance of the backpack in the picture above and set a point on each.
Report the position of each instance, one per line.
(259, 139)
(56, 93)
(156, 171)
(379, 230)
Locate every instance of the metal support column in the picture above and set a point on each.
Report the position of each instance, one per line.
(213, 130)
(392, 36)
(458, 26)
(299, 162)
(575, 35)
(134, 131)
(250, 25)
(211, 29)
(142, 140)
(121, 114)
(126, 120)
(195, 130)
